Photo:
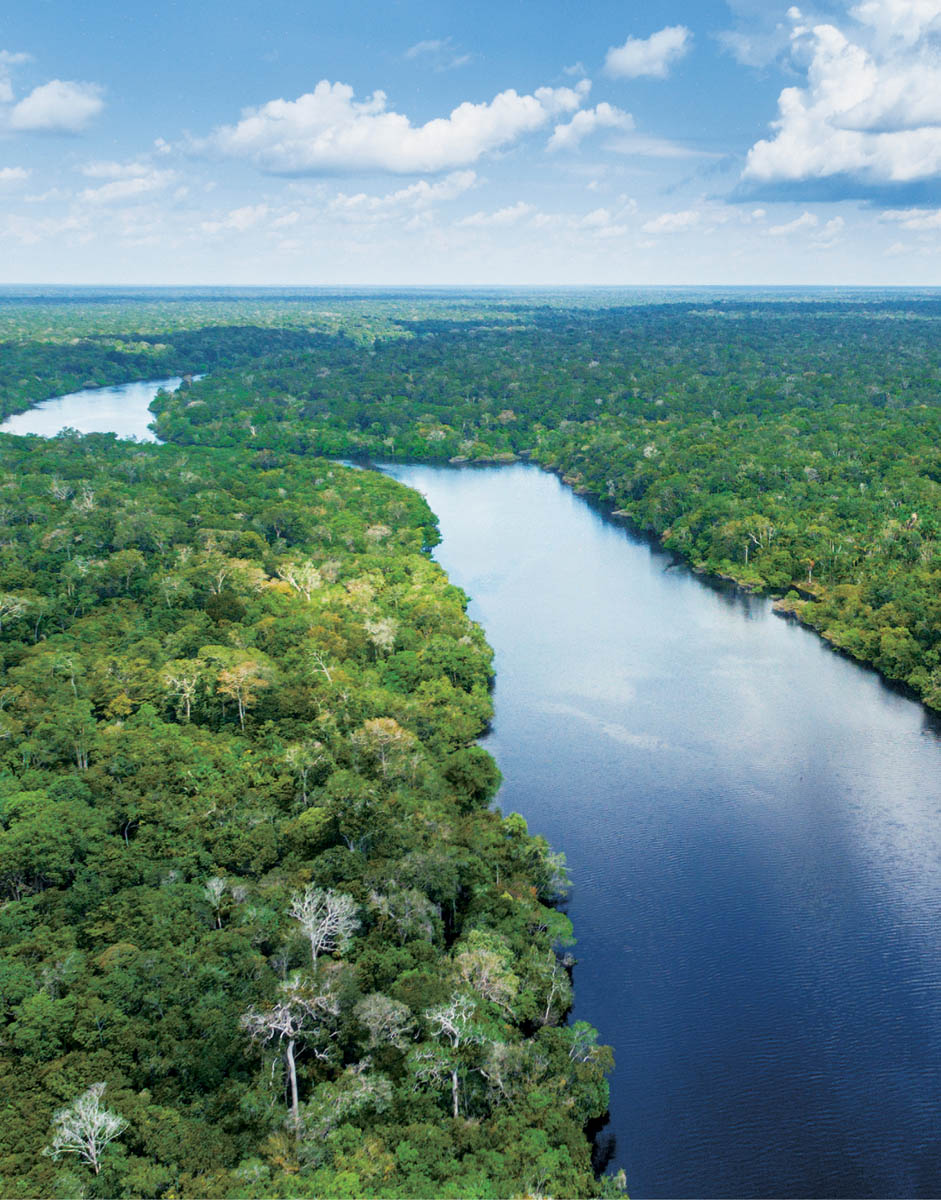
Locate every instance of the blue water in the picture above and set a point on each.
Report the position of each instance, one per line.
(753, 827)
(121, 409)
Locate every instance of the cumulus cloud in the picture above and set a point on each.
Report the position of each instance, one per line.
(115, 170)
(829, 235)
(416, 196)
(129, 187)
(871, 108)
(914, 218)
(807, 220)
(328, 131)
(9, 59)
(585, 122)
(60, 106)
(651, 56)
(503, 216)
(238, 219)
(904, 20)
(13, 175)
(673, 222)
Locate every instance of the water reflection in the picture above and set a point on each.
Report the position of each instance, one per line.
(752, 823)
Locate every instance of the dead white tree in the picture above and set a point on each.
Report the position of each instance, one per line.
(181, 679)
(381, 632)
(302, 577)
(327, 919)
(302, 1013)
(453, 1026)
(85, 1128)
(302, 758)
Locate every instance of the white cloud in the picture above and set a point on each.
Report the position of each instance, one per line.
(441, 52)
(432, 46)
(13, 175)
(60, 106)
(651, 56)
(115, 170)
(914, 218)
(829, 235)
(130, 185)
(806, 220)
(673, 222)
(585, 122)
(872, 105)
(31, 231)
(7, 60)
(905, 20)
(417, 195)
(644, 146)
(328, 131)
(503, 216)
(239, 219)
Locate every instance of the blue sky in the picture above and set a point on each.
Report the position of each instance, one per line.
(522, 142)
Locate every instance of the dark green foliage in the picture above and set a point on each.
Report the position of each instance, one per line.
(227, 682)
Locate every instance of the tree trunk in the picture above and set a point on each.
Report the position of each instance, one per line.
(454, 1093)
(292, 1075)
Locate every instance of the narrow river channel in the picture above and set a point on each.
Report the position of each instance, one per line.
(753, 827)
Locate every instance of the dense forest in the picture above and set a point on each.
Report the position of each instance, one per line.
(260, 927)
(260, 932)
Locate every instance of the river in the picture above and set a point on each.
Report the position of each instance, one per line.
(121, 409)
(752, 827)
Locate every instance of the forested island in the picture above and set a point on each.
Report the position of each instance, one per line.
(252, 881)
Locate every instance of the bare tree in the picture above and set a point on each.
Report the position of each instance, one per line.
(389, 745)
(302, 577)
(181, 679)
(302, 1013)
(327, 919)
(85, 1128)
(302, 758)
(453, 1025)
(320, 663)
(381, 632)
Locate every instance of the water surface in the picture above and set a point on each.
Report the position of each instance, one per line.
(121, 409)
(752, 827)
